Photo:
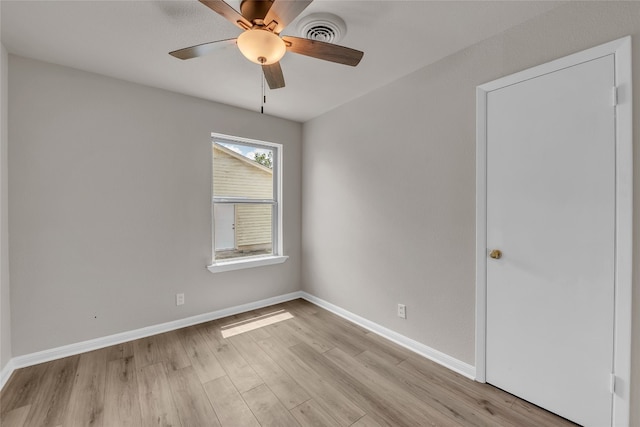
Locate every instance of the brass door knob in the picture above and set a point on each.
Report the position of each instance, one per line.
(495, 254)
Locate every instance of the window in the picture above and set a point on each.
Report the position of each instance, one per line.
(246, 203)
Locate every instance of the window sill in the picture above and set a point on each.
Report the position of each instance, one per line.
(239, 264)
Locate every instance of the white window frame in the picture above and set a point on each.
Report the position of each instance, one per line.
(277, 256)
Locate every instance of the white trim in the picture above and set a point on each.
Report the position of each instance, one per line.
(6, 372)
(559, 64)
(481, 234)
(97, 343)
(624, 234)
(241, 263)
(277, 222)
(406, 342)
(621, 49)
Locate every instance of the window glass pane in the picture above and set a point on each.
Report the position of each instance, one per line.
(242, 171)
(243, 229)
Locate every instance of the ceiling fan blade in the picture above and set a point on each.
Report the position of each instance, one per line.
(201, 49)
(228, 12)
(274, 76)
(285, 11)
(321, 50)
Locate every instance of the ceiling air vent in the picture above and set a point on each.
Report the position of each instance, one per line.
(323, 27)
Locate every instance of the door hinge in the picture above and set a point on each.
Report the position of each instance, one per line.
(615, 96)
(612, 383)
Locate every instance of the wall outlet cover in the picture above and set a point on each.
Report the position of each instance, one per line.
(402, 311)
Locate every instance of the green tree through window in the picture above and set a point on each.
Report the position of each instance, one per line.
(265, 159)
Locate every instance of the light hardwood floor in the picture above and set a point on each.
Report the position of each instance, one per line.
(291, 364)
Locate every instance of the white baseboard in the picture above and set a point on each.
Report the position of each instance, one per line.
(97, 343)
(6, 372)
(443, 359)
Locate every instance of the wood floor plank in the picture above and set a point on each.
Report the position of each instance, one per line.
(306, 335)
(204, 362)
(432, 395)
(334, 334)
(16, 417)
(345, 384)
(486, 398)
(391, 352)
(23, 387)
(300, 307)
(86, 404)
(367, 421)
(53, 393)
(120, 351)
(193, 406)
(230, 407)
(259, 334)
(283, 334)
(156, 401)
(122, 401)
(345, 411)
(328, 316)
(211, 328)
(172, 351)
(239, 371)
(146, 351)
(373, 400)
(283, 386)
(267, 408)
(401, 408)
(311, 414)
(537, 416)
(353, 339)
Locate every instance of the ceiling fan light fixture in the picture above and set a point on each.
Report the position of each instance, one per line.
(261, 46)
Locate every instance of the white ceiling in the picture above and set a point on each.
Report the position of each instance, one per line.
(130, 40)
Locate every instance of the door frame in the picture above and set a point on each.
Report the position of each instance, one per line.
(622, 98)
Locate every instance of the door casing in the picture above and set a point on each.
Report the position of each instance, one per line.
(623, 98)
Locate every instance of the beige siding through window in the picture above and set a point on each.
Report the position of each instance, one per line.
(237, 176)
(255, 225)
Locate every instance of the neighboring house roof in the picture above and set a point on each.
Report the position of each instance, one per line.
(242, 158)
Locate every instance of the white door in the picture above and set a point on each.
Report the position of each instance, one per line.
(225, 228)
(551, 212)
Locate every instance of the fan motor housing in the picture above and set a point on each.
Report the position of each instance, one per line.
(253, 10)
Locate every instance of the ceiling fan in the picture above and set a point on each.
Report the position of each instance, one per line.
(262, 22)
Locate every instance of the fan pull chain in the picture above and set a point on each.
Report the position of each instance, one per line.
(264, 96)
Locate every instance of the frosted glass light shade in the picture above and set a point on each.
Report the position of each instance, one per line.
(261, 46)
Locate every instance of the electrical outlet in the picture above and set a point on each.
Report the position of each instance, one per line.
(179, 299)
(402, 311)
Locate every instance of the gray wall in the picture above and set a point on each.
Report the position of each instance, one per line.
(109, 206)
(389, 183)
(5, 302)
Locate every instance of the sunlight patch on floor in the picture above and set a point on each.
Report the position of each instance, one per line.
(254, 323)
